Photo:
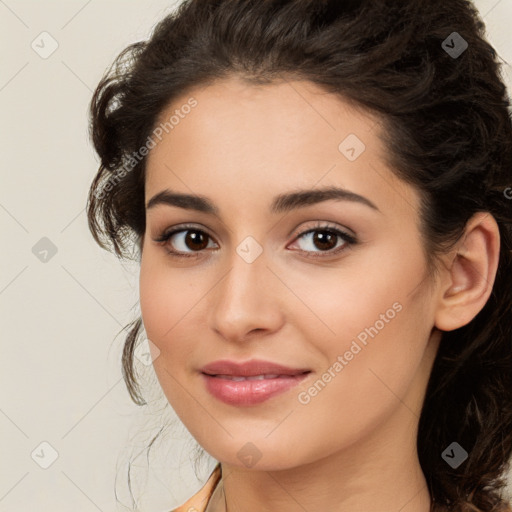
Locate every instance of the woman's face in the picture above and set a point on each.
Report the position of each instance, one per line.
(267, 267)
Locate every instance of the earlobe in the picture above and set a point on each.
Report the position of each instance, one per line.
(468, 278)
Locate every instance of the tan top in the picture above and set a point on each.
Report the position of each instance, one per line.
(199, 501)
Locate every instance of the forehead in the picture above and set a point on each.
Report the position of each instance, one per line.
(262, 140)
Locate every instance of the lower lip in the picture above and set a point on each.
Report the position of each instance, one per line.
(250, 392)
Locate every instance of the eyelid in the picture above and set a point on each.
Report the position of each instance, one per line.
(166, 233)
(325, 225)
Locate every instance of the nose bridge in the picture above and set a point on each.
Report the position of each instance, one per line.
(246, 299)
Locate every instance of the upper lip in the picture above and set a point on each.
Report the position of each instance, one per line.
(250, 368)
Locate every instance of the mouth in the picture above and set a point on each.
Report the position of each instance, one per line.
(249, 383)
(254, 368)
(239, 378)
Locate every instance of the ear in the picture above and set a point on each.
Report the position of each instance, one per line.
(468, 274)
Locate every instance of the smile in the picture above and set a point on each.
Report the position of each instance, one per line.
(245, 391)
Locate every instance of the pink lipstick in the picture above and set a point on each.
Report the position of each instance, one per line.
(251, 382)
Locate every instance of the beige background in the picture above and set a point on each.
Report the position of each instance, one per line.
(61, 380)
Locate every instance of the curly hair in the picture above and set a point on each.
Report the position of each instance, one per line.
(447, 129)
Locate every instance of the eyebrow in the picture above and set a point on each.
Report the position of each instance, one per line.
(281, 203)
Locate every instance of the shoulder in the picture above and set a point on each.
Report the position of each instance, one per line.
(198, 502)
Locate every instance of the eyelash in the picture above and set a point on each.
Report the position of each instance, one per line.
(347, 238)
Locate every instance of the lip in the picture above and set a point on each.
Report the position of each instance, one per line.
(249, 368)
(236, 383)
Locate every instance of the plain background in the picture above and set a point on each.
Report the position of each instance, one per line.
(61, 318)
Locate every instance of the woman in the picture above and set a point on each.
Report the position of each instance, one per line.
(319, 196)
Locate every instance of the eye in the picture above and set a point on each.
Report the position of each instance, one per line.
(184, 241)
(327, 239)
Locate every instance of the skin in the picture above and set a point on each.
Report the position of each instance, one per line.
(353, 445)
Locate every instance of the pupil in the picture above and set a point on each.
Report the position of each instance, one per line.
(321, 237)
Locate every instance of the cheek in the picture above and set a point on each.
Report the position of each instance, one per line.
(359, 300)
(154, 301)
(164, 302)
(165, 295)
(173, 305)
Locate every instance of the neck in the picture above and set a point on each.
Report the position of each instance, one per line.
(379, 475)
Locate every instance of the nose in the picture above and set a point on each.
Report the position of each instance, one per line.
(247, 301)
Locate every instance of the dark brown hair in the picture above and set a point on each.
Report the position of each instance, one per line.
(445, 122)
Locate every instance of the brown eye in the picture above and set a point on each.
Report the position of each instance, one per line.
(185, 241)
(324, 241)
(196, 240)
